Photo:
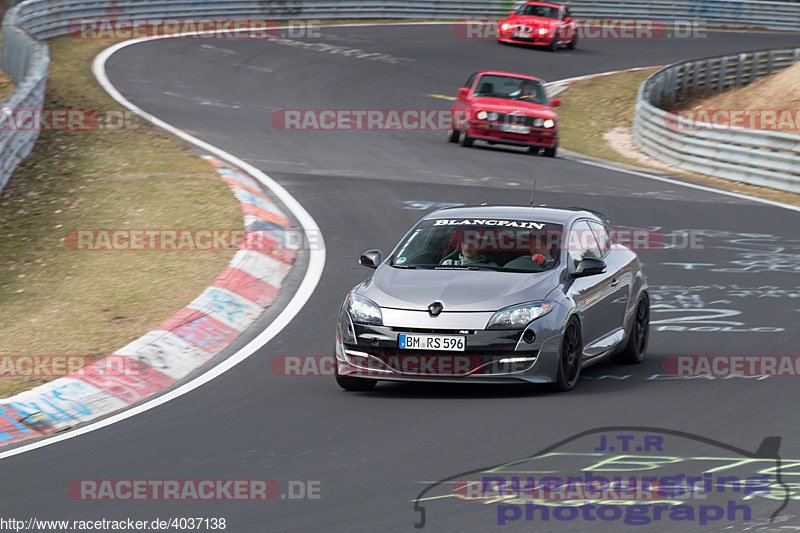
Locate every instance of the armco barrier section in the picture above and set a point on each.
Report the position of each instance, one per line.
(759, 157)
(26, 60)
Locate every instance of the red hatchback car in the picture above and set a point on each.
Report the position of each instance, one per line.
(505, 108)
(539, 23)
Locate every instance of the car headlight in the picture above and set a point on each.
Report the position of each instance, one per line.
(363, 310)
(506, 26)
(549, 123)
(518, 316)
(542, 31)
(482, 115)
(537, 122)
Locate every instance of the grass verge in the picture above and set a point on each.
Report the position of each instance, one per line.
(57, 301)
(597, 109)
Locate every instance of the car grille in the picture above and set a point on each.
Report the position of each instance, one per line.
(507, 118)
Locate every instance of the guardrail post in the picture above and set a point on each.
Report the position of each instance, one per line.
(754, 67)
(739, 68)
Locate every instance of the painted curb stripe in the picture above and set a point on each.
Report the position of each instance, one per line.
(177, 346)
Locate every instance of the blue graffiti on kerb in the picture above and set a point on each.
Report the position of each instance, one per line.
(13, 422)
(57, 403)
(226, 304)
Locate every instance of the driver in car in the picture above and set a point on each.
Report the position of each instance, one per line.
(468, 255)
(525, 91)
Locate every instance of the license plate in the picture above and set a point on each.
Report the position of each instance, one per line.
(524, 35)
(515, 128)
(452, 343)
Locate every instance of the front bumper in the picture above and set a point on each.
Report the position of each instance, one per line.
(538, 137)
(535, 39)
(490, 356)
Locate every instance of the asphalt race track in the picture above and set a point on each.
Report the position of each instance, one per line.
(734, 293)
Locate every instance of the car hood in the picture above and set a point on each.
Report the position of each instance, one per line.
(502, 105)
(457, 290)
(533, 22)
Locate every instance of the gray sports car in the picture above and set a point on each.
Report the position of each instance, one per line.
(494, 294)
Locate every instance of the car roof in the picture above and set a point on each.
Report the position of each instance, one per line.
(548, 214)
(550, 4)
(514, 74)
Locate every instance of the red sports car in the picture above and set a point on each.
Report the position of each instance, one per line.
(505, 108)
(539, 23)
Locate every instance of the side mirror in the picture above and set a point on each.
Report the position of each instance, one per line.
(370, 258)
(511, 13)
(589, 266)
(462, 93)
(555, 102)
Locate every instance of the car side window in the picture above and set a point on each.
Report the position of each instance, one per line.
(602, 234)
(566, 12)
(470, 80)
(581, 242)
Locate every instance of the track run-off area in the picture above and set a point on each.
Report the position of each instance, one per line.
(724, 283)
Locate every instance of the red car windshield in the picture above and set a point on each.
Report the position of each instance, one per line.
(511, 88)
(538, 11)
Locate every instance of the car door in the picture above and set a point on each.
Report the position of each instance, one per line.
(461, 102)
(622, 276)
(593, 295)
(568, 24)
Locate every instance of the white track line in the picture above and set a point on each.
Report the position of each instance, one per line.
(316, 265)
(316, 261)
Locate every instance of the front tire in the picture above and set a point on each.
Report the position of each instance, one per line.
(553, 46)
(454, 135)
(466, 140)
(550, 152)
(569, 357)
(636, 347)
(574, 42)
(354, 384)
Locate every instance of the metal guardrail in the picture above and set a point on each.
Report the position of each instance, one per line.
(759, 157)
(26, 60)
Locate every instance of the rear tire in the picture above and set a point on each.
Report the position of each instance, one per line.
(454, 135)
(569, 357)
(636, 347)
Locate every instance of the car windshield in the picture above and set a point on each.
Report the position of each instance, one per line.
(532, 10)
(511, 88)
(481, 244)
